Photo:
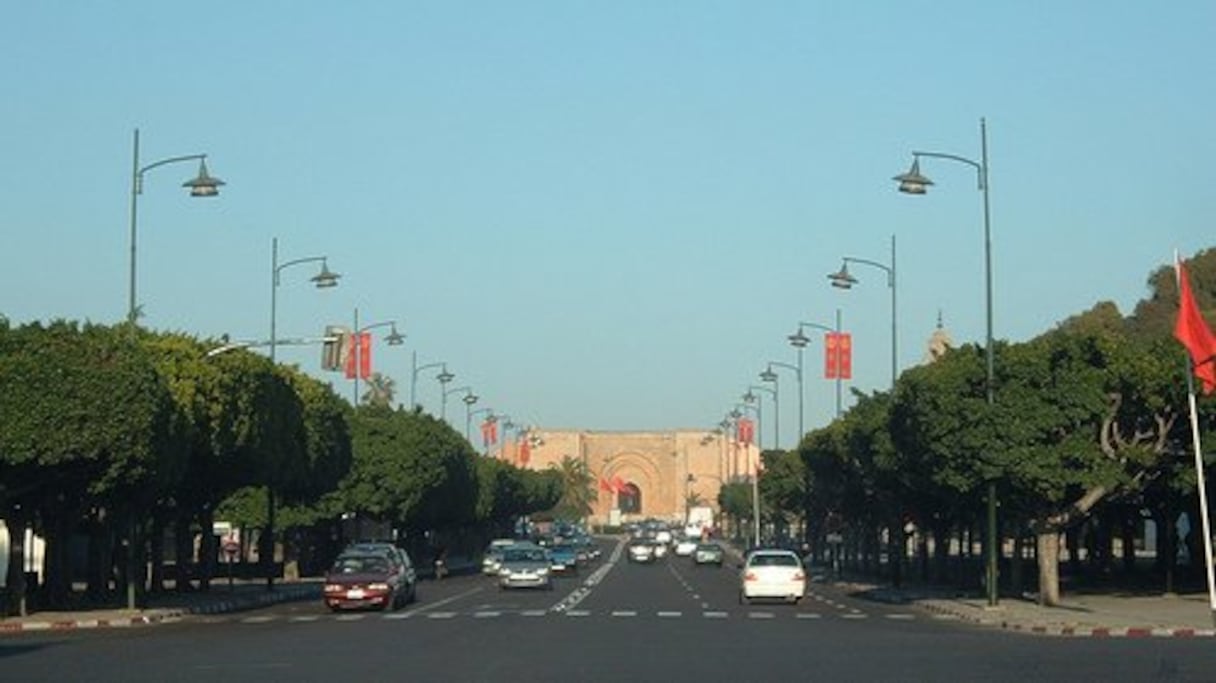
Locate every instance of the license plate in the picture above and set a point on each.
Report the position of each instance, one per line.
(355, 594)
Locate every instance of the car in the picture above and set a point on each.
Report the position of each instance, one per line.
(563, 558)
(361, 580)
(409, 576)
(686, 546)
(708, 553)
(492, 557)
(525, 566)
(641, 550)
(776, 574)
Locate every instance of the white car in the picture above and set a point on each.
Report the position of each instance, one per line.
(686, 546)
(641, 551)
(774, 574)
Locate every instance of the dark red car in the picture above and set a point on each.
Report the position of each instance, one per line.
(365, 580)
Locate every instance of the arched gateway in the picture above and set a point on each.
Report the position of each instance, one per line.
(638, 475)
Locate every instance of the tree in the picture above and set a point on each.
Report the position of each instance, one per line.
(576, 486)
(381, 390)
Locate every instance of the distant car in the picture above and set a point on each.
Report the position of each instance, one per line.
(772, 574)
(641, 550)
(492, 557)
(563, 558)
(359, 580)
(708, 553)
(525, 567)
(685, 547)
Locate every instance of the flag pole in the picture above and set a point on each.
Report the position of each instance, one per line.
(1198, 450)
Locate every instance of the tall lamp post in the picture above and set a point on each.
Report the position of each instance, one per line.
(843, 279)
(393, 338)
(202, 185)
(799, 341)
(769, 376)
(913, 182)
(750, 397)
(415, 368)
(469, 399)
(325, 279)
(753, 476)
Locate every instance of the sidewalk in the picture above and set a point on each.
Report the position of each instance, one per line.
(167, 607)
(1090, 614)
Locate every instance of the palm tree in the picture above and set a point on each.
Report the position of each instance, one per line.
(577, 490)
(381, 389)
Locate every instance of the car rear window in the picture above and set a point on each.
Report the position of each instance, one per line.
(773, 561)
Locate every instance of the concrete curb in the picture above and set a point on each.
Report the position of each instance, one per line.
(155, 616)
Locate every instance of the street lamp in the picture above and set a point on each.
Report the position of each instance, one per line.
(393, 338)
(469, 413)
(913, 182)
(753, 475)
(749, 397)
(800, 340)
(769, 376)
(843, 279)
(202, 185)
(469, 399)
(415, 368)
(325, 279)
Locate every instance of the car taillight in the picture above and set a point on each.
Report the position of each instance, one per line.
(750, 576)
(799, 576)
(333, 588)
(379, 586)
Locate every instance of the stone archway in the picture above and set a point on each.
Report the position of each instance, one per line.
(629, 499)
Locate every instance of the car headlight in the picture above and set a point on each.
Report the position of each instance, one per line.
(504, 572)
(333, 588)
(544, 571)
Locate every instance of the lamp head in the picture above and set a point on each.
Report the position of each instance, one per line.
(749, 396)
(469, 398)
(913, 182)
(798, 339)
(445, 376)
(326, 278)
(394, 338)
(203, 185)
(843, 279)
(768, 375)
(735, 413)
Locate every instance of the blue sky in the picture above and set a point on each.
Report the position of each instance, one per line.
(603, 215)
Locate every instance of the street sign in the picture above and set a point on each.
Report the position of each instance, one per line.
(231, 548)
(221, 528)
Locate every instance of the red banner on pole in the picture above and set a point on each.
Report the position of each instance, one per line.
(489, 432)
(844, 346)
(525, 451)
(746, 430)
(365, 355)
(831, 355)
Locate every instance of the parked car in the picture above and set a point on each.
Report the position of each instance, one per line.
(708, 553)
(525, 566)
(368, 579)
(772, 574)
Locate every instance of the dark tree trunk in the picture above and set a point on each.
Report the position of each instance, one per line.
(16, 522)
(99, 545)
(156, 548)
(206, 549)
(1128, 532)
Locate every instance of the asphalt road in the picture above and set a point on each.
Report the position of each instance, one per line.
(616, 621)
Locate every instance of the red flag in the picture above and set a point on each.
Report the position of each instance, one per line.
(746, 430)
(365, 355)
(525, 451)
(831, 355)
(844, 349)
(1193, 331)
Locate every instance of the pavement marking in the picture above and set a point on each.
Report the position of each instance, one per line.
(624, 613)
(946, 617)
(809, 615)
(714, 615)
(487, 614)
(300, 619)
(350, 617)
(534, 613)
(760, 615)
(854, 615)
(578, 613)
(441, 615)
(257, 620)
(670, 615)
(440, 603)
(901, 616)
(397, 616)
